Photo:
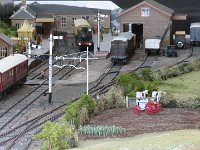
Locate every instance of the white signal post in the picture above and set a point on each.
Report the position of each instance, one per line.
(78, 58)
(98, 33)
(87, 72)
(50, 63)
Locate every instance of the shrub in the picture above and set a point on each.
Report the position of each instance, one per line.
(55, 135)
(84, 116)
(114, 98)
(146, 74)
(151, 86)
(73, 110)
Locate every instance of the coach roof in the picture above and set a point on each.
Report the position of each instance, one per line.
(11, 61)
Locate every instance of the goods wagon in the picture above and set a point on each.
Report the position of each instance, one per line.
(13, 72)
(123, 46)
(195, 33)
(83, 34)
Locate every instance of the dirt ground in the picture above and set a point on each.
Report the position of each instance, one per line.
(168, 119)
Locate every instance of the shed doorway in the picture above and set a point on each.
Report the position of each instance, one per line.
(138, 30)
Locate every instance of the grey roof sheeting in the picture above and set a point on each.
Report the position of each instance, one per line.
(6, 39)
(24, 13)
(64, 9)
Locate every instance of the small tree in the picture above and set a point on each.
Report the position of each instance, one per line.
(55, 136)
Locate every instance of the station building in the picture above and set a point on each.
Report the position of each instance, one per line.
(60, 18)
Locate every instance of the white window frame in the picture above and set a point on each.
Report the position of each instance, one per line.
(73, 19)
(17, 25)
(3, 51)
(63, 22)
(145, 12)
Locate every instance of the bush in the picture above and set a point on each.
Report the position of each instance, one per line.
(146, 74)
(73, 110)
(84, 116)
(151, 86)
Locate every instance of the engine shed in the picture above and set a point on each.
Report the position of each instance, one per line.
(147, 19)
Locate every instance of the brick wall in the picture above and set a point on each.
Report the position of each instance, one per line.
(153, 25)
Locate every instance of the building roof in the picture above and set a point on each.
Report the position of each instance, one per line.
(24, 13)
(6, 39)
(159, 7)
(190, 7)
(11, 61)
(36, 10)
(64, 9)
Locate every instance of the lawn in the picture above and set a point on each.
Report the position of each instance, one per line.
(186, 86)
(174, 140)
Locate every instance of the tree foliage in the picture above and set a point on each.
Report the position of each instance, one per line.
(55, 136)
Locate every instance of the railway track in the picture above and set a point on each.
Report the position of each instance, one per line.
(100, 87)
(9, 116)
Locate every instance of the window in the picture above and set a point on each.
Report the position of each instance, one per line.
(85, 17)
(145, 12)
(73, 19)
(63, 22)
(3, 51)
(17, 25)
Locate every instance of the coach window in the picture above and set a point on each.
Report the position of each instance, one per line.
(63, 22)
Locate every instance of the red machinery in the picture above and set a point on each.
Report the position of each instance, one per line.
(148, 105)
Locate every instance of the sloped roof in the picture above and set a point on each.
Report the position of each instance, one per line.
(24, 13)
(11, 61)
(161, 8)
(190, 7)
(6, 39)
(64, 9)
(26, 27)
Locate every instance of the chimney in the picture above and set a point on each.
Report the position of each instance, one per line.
(23, 4)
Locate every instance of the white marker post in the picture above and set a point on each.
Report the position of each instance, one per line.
(87, 71)
(29, 49)
(50, 64)
(50, 67)
(98, 33)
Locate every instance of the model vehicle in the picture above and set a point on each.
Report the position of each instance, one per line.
(170, 51)
(83, 34)
(123, 46)
(147, 104)
(195, 33)
(13, 72)
(152, 45)
(180, 40)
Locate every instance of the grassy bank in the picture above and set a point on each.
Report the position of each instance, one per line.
(183, 87)
(184, 139)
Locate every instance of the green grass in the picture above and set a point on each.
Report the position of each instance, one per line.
(155, 141)
(186, 86)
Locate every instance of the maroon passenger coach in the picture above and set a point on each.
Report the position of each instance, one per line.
(13, 72)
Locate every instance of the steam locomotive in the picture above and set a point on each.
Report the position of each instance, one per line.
(83, 34)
